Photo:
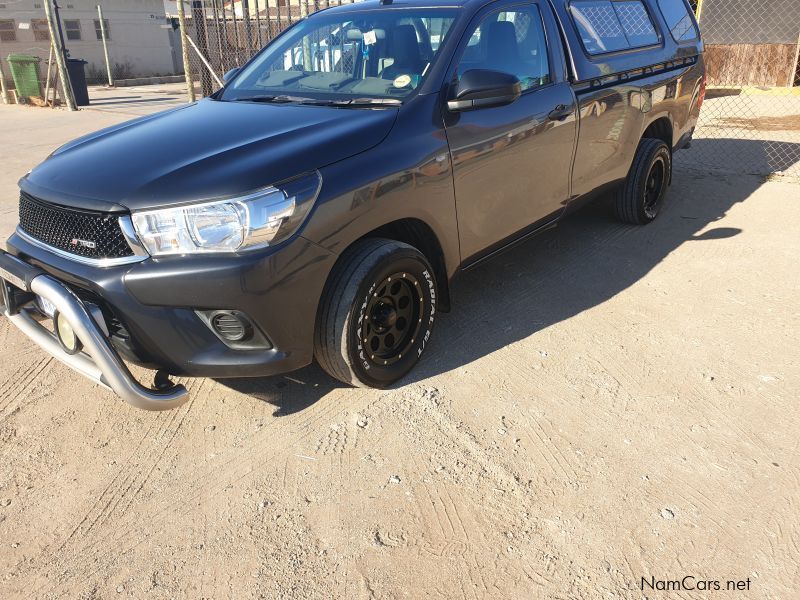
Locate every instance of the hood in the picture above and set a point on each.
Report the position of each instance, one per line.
(206, 150)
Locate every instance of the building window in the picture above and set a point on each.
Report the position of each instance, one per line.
(7, 31)
(40, 31)
(73, 29)
(99, 31)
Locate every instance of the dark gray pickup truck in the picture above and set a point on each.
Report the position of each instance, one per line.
(318, 206)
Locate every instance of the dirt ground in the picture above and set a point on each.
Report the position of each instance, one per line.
(755, 133)
(604, 404)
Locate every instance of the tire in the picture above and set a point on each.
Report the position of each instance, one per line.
(639, 200)
(376, 313)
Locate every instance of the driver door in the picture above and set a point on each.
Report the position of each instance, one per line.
(511, 164)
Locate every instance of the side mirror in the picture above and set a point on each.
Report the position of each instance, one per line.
(480, 88)
(231, 74)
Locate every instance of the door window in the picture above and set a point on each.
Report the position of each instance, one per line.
(511, 41)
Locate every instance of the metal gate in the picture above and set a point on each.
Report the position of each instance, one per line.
(224, 34)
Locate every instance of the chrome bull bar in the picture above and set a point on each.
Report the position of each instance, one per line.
(98, 361)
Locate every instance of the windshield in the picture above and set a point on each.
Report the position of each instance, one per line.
(347, 58)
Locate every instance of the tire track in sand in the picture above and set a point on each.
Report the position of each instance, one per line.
(282, 436)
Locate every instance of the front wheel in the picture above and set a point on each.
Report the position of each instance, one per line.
(376, 314)
(639, 199)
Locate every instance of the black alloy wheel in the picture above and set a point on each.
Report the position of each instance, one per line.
(376, 313)
(640, 198)
(654, 188)
(392, 319)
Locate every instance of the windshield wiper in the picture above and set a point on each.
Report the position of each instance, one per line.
(279, 99)
(354, 103)
(357, 102)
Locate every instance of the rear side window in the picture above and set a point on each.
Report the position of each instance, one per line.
(612, 25)
(678, 19)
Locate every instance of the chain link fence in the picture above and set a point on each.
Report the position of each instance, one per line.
(226, 34)
(749, 123)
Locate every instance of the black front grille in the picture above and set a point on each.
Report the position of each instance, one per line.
(73, 230)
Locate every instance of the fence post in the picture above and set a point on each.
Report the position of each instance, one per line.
(199, 18)
(222, 54)
(47, 81)
(794, 76)
(307, 63)
(258, 25)
(3, 89)
(699, 10)
(187, 67)
(237, 40)
(248, 34)
(61, 63)
(105, 44)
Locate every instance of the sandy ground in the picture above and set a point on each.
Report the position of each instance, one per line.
(604, 403)
(756, 134)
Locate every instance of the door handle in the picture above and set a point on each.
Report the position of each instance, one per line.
(560, 112)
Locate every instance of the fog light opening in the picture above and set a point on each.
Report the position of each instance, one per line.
(66, 334)
(231, 326)
(235, 329)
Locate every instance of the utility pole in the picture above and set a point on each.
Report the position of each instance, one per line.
(57, 12)
(105, 44)
(187, 67)
(60, 53)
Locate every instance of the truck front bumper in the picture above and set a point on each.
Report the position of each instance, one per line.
(146, 313)
(99, 362)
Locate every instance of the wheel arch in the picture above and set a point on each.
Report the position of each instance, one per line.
(661, 128)
(416, 232)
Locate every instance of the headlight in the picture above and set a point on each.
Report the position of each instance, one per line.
(233, 225)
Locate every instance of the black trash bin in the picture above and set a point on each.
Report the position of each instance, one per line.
(77, 77)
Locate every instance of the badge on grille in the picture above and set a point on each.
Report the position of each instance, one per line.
(84, 243)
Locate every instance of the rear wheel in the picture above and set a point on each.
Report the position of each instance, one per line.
(639, 200)
(376, 314)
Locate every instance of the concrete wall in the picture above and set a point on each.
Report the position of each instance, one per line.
(139, 37)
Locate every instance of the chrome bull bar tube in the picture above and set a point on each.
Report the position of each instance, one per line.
(102, 365)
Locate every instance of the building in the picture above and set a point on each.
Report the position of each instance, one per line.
(139, 42)
(261, 7)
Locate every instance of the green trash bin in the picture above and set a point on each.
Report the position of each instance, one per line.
(25, 72)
